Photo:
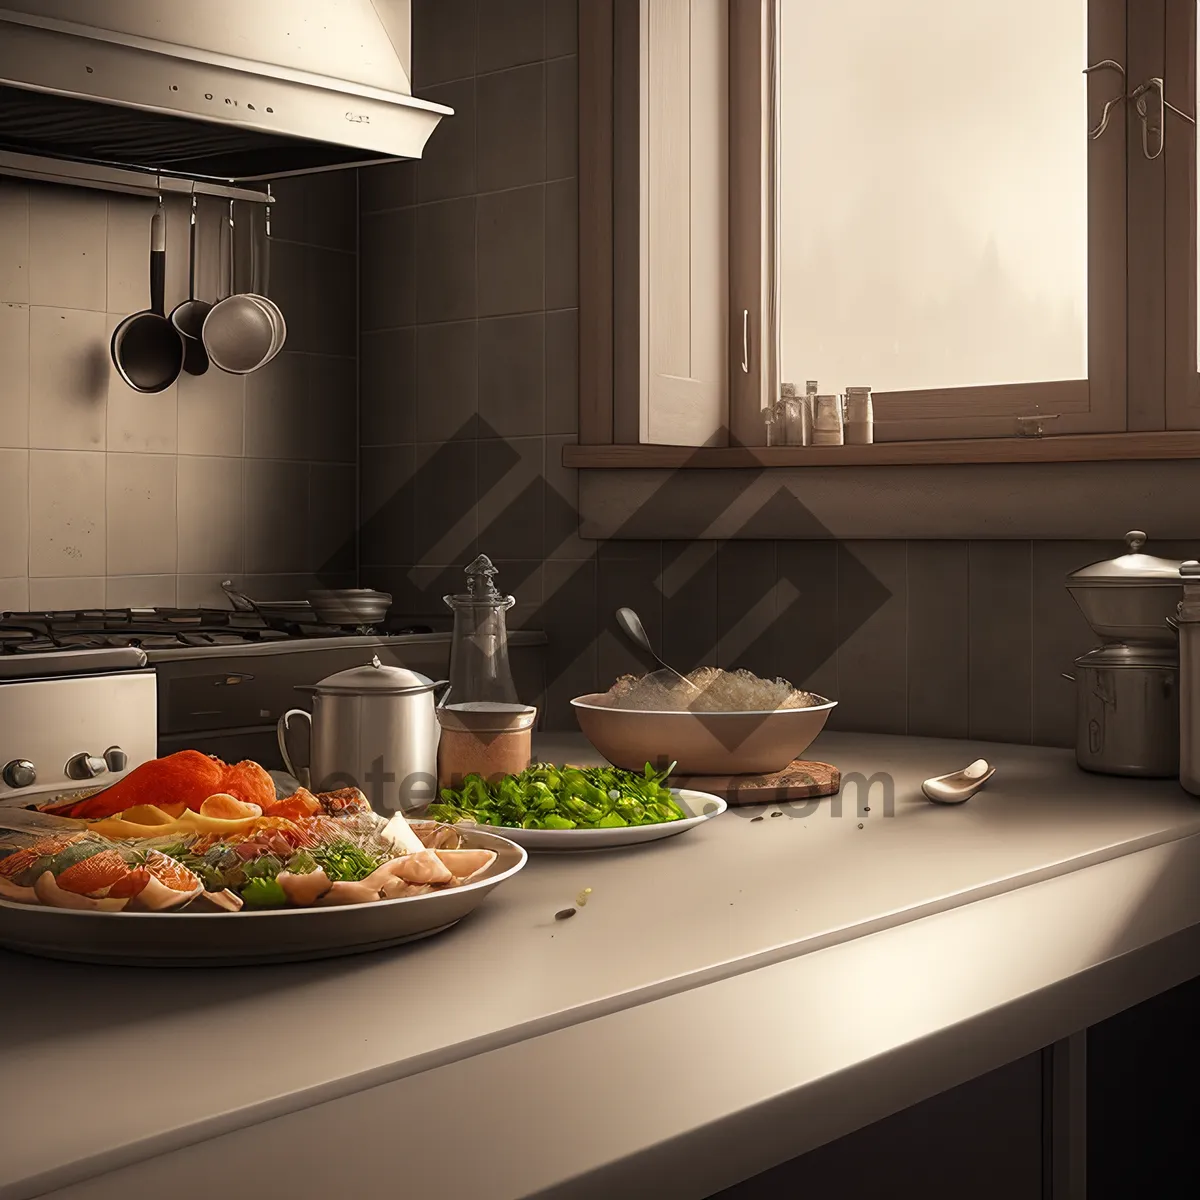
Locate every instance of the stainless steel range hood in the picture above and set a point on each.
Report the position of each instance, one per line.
(221, 90)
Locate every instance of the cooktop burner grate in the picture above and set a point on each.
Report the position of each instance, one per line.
(158, 629)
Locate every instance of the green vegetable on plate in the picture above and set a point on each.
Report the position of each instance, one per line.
(549, 797)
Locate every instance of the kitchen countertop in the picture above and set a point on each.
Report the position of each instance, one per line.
(689, 949)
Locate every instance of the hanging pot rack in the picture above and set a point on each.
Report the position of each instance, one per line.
(124, 180)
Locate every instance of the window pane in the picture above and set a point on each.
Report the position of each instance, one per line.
(933, 192)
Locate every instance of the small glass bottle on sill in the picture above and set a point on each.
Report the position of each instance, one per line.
(860, 417)
(797, 416)
(773, 417)
(827, 421)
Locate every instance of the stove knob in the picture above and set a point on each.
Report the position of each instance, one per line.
(20, 773)
(85, 766)
(116, 758)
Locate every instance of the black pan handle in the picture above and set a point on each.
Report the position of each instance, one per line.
(158, 261)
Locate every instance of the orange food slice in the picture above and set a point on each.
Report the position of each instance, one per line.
(94, 875)
(169, 884)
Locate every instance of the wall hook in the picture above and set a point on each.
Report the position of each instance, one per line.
(1106, 64)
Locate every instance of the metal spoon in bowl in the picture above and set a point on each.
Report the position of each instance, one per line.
(958, 786)
(631, 625)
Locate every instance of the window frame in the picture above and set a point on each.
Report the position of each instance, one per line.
(1139, 333)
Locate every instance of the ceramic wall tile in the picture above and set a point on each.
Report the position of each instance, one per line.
(211, 507)
(75, 591)
(212, 413)
(14, 513)
(562, 27)
(562, 244)
(562, 538)
(140, 421)
(388, 386)
(511, 497)
(276, 517)
(511, 251)
(68, 235)
(331, 421)
(14, 242)
(14, 391)
(388, 269)
(447, 381)
(562, 371)
(562, 118)
(141, 513)
(277, 408)
(333, 519)
(512, 128)
(67, 527)
(445, 503)
(806, 615)
(127, 280)
(447, 165)
(445, 258)
(140, 591)
(512, 375)
(510, 32)
(205, 591)
(68, 378)
(443, 40)
(386, 513)
(14, 594)
(688, 583)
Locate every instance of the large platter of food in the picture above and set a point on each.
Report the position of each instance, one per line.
(548, 807)
(158, 868)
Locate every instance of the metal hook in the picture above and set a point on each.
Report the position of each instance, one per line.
(1106, 64)
(1150, 125)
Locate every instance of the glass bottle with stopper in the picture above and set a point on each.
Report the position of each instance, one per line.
(485, 728)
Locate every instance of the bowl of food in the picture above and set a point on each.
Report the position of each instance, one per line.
(709, 722)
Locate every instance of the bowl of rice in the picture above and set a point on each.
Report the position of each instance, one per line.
(709, 722)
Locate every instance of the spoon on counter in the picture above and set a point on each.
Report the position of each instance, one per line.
(958, 786)
(631, 625)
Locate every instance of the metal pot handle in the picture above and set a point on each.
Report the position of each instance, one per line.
(1068, 678)
(281, 731)
(441, 700)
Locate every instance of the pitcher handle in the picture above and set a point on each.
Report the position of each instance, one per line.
(281, 732)
(440, 701)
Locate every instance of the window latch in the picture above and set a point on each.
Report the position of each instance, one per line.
(1032, 426)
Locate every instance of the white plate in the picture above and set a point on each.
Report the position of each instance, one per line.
(700, 807)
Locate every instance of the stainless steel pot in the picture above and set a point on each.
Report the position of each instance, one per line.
(374, 728)
(1127, 711)
(350, 606)
(1129, 598)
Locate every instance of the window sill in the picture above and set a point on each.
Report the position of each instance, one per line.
(1100, 447)
(1066, 488)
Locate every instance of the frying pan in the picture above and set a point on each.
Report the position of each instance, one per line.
(188, 315)
(146, 348)
(239, 334)
(275, 613)
(349, 607)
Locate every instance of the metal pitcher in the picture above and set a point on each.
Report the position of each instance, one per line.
(374, 728)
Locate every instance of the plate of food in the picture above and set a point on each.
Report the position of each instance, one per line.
(548, 807)
(109, 876)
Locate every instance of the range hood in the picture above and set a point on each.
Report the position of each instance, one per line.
(221, 90)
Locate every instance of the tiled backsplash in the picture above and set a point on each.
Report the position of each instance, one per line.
(108, 496)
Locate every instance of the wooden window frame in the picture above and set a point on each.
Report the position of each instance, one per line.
(1139, 337)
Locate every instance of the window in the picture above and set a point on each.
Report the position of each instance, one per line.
(906, 196)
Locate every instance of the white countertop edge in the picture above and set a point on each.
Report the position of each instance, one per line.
(673, 1089)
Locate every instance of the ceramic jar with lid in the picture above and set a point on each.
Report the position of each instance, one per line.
(1130, 598)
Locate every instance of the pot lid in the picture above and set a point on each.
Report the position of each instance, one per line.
(1133, 567)
(373, 679)
(1121, 655)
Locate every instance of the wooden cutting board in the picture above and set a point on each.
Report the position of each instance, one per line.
(799, 781)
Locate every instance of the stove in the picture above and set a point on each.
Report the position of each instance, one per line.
(220, 678)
